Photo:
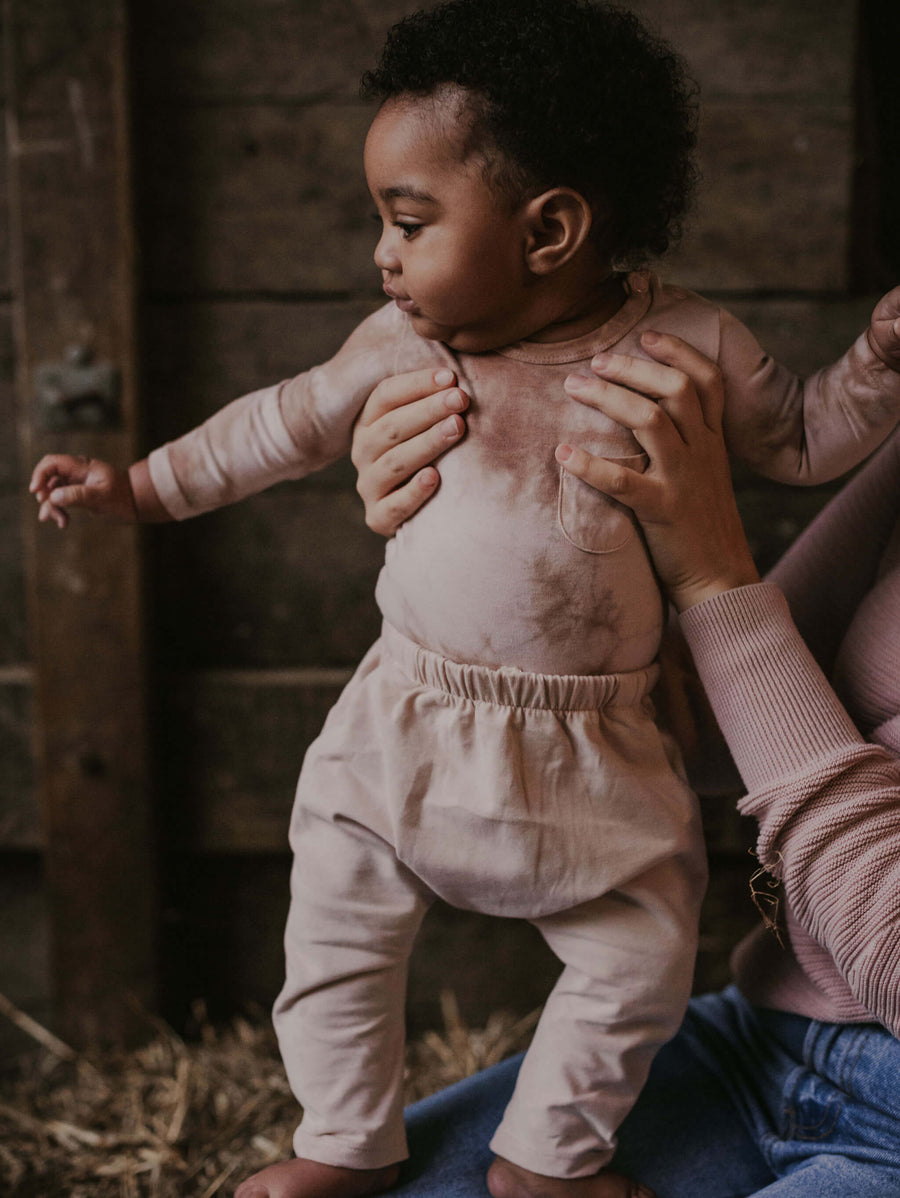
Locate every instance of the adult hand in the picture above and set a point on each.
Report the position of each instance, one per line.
(408, 421)
(884, 331)
(684, 500)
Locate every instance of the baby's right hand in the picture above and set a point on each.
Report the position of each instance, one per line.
(61, 481)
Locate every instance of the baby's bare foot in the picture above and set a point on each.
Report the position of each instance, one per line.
(506, 1180)
(301, 1178)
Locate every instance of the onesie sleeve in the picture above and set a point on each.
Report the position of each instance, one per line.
(827, 801)
(281, 432)
(804, 431)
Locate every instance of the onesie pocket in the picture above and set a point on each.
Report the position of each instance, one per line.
(591, 520)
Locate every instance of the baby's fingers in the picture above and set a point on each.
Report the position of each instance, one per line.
(74, 495)
(49, 511)
(55, 467)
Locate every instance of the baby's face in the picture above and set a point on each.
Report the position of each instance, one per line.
(451, 251)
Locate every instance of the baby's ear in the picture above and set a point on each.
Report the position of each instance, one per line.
(558, 223)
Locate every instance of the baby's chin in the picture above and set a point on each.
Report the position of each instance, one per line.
(463, 341)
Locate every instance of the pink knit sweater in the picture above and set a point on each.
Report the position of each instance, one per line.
(810, 707)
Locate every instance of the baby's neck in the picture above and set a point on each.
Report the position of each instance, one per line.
(592, 307)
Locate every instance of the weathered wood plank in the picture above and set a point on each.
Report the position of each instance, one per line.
(13, 638)
(223, 50)
(24, 947)
(234, 743)
(4, 207)
(755, 48)
(303, 592)
(73, 285)
(773, 205)
(257, 198)
(219, 50)
(19, 818)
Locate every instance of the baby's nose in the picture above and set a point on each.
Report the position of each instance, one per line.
(386, 257)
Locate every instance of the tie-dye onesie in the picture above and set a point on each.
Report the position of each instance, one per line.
(496, 747)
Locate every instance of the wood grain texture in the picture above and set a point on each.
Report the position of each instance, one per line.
(73, 282)
(19, 816)
(232, 743)
(227, 52)
(24, 948)
(256, 198)
(791, 49)
(773, 205)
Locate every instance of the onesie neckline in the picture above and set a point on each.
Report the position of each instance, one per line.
(639, 288)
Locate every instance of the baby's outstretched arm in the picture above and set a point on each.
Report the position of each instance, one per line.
(61, 481)
(806, 431)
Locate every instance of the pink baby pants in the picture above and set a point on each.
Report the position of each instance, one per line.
(551, 798)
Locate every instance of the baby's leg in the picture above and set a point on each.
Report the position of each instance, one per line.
(355, 910)
(628, 966)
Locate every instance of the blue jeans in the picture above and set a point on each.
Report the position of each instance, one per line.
(744, 1101)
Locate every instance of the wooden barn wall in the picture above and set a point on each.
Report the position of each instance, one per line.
(256, 242)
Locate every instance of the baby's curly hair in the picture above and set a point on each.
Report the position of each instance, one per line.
(566, 93)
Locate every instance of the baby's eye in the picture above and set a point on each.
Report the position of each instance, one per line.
(407, 228)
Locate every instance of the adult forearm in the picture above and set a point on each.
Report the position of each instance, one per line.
(826, 800)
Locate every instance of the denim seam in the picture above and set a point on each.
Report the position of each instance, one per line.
(851, 1059)
(810, 1132)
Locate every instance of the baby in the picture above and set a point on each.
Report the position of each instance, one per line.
(497, 746)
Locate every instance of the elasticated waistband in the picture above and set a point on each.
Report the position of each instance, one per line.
(508, 687)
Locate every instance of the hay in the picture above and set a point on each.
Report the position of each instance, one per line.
(177, 1119)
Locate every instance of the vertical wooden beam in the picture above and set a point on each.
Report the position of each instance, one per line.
(74, 300)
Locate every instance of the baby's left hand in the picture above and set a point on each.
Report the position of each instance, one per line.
(884, 332)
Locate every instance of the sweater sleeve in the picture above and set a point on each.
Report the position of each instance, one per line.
(804, 431)
(827, 801)
(834, 562)
(281, 432)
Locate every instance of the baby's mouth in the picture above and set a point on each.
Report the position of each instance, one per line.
(403, 302)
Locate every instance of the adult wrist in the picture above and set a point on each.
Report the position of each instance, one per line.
(690, 595)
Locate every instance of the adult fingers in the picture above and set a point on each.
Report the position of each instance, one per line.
(402, 389)
(432, 417)
(687, 385)
(382, 470)
(628, 486)
(625, 402)
(703, 374)
(385, 515)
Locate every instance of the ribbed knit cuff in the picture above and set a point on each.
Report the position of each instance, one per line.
(773, 703)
